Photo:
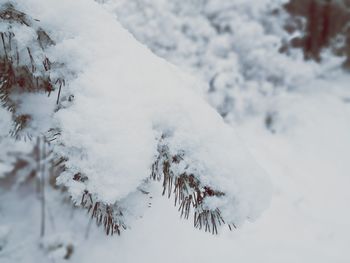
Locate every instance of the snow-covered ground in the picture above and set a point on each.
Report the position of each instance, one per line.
(308, 220)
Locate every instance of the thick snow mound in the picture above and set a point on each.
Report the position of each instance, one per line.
(125, 100)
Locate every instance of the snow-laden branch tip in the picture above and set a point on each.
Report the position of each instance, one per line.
(126, 114)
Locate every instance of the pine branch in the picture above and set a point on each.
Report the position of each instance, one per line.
(17, 76)
(189, 196)
(110, 216)
(187, 190)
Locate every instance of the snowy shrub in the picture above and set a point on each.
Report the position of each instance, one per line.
(235, 47)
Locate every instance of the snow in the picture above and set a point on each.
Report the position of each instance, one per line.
(127, 101)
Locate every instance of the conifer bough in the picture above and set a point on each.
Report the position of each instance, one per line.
(124, 119)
